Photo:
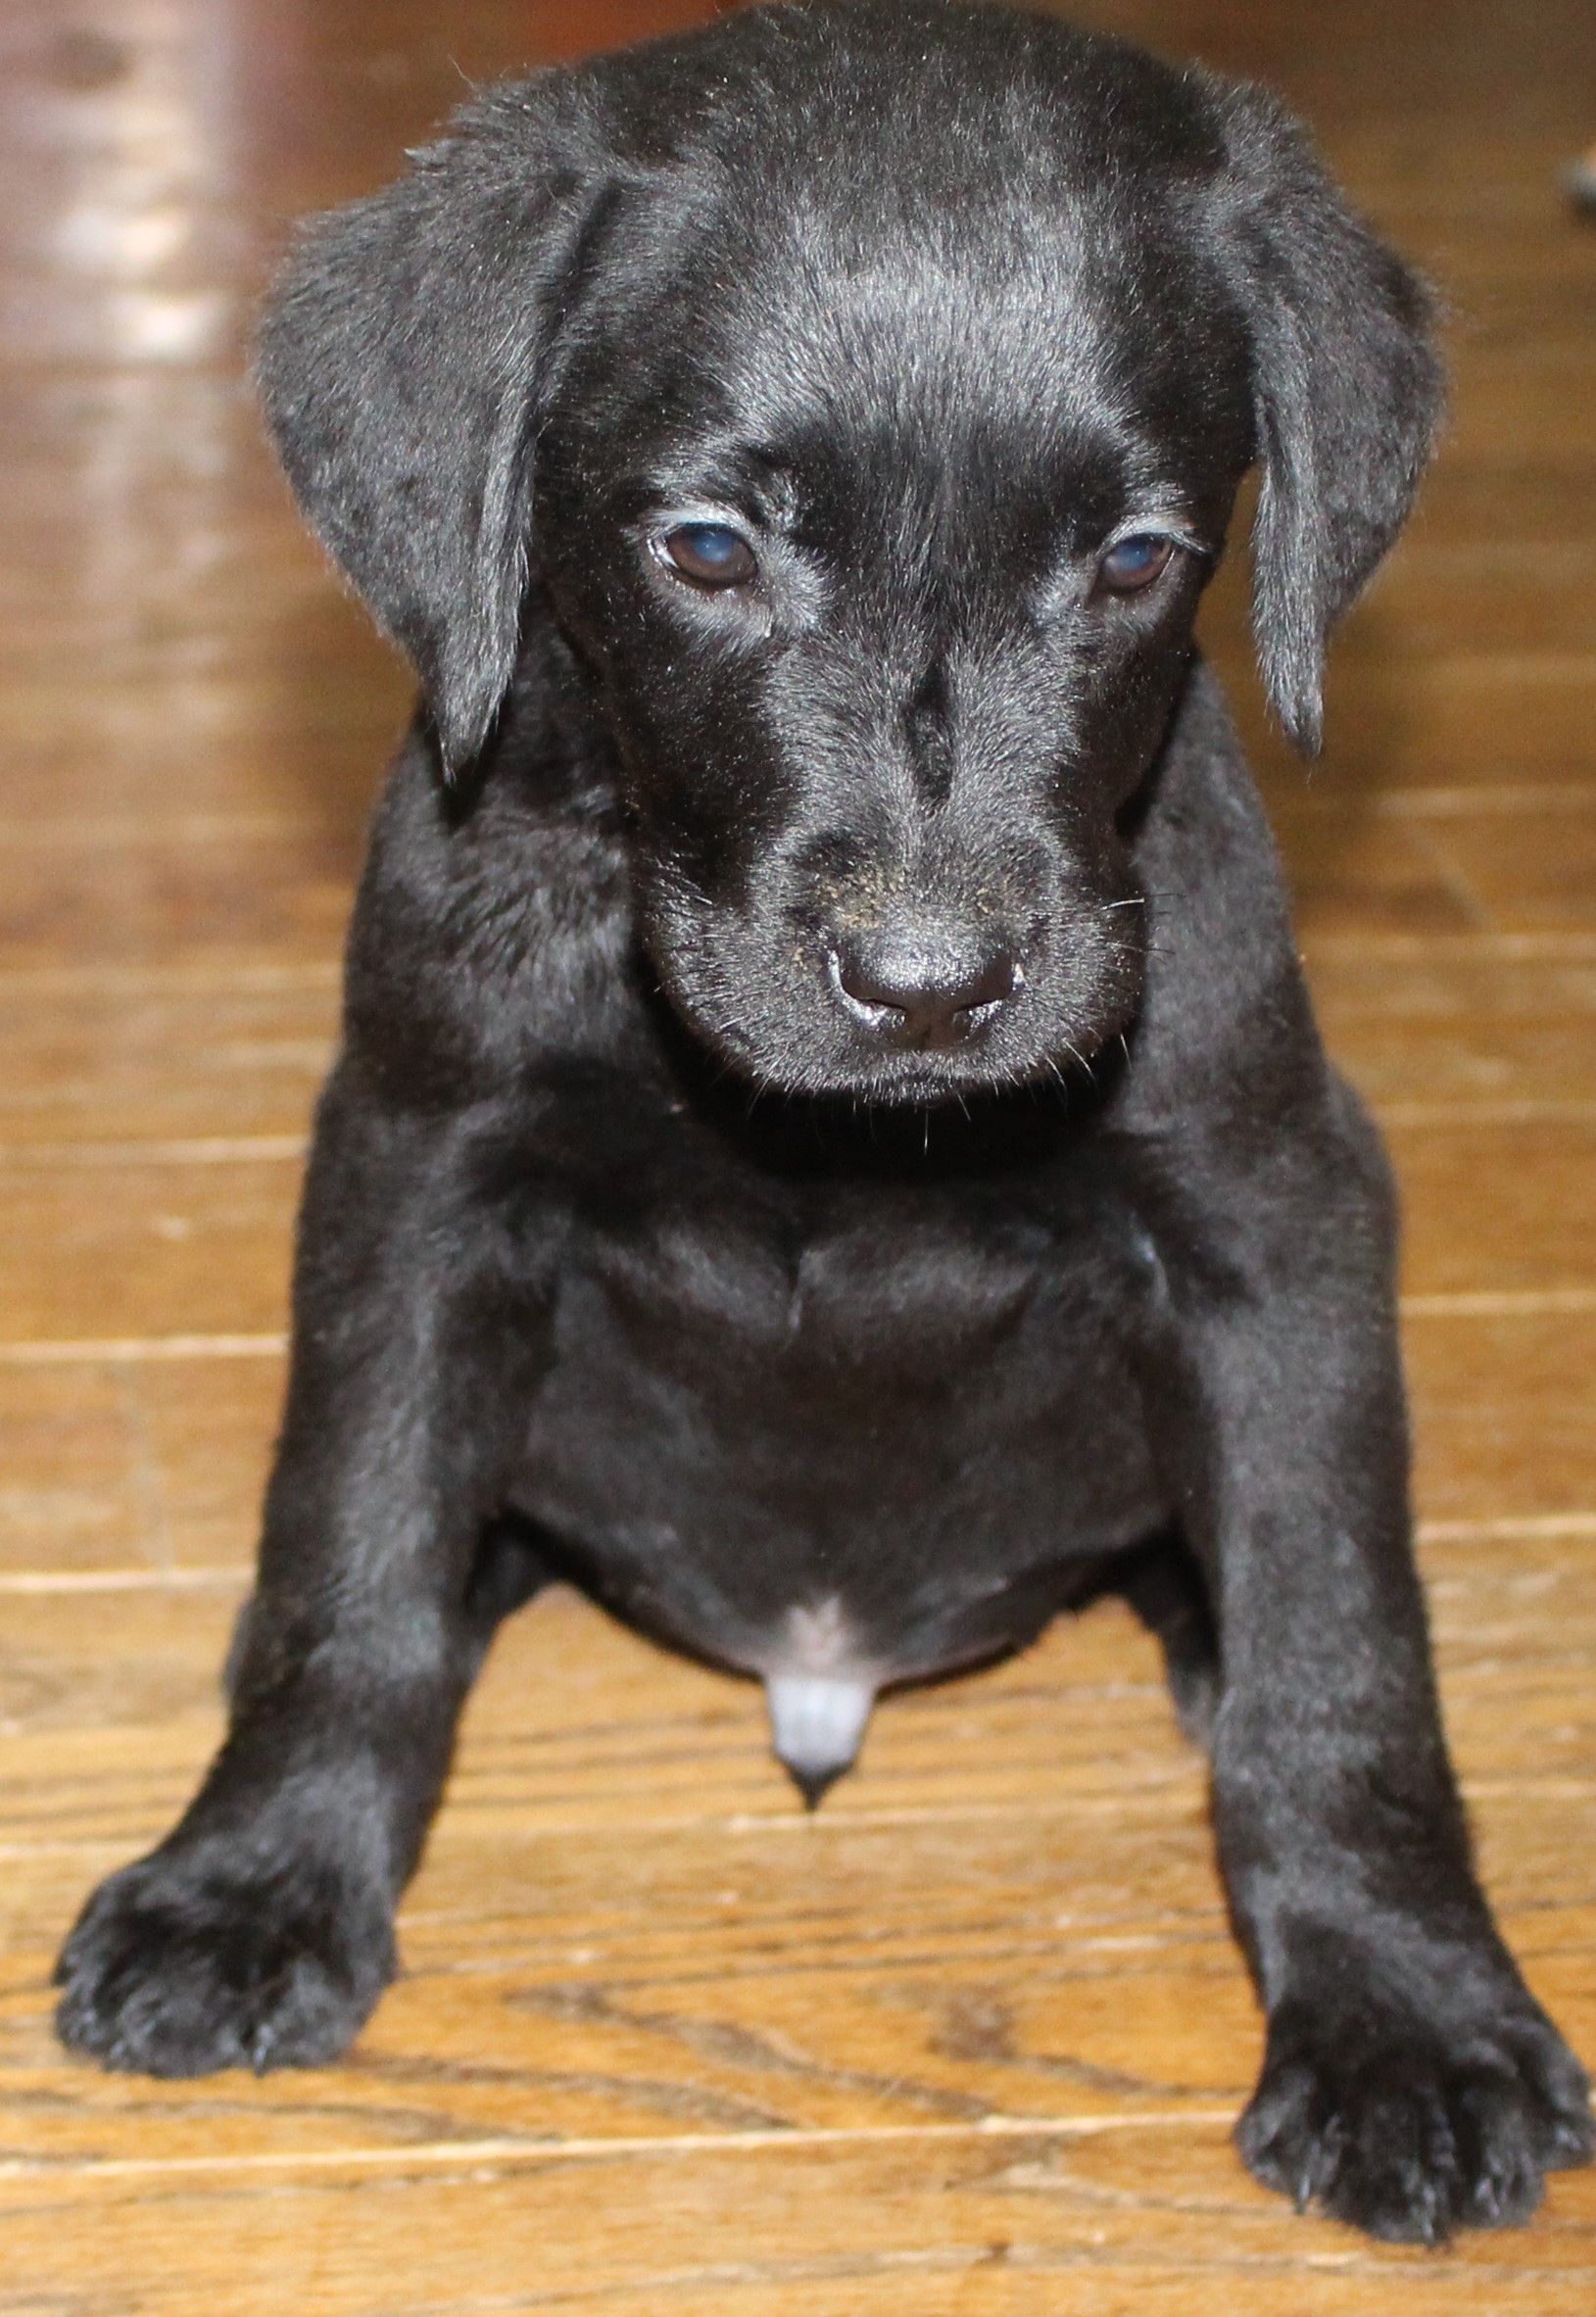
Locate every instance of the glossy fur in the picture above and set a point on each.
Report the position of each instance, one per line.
(637, 1246)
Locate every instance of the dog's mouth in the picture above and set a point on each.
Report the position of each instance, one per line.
(913, 1084)
(929, 1006)
(815, 1036)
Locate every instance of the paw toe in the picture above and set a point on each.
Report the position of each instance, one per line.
(1411, 2142)
(165, 1978)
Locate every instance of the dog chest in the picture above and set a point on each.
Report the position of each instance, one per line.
(886, 1417)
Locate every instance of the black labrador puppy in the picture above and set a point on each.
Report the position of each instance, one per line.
(831, 1149)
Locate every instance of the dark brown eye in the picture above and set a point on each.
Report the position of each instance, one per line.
(711, 554)
(1136, 563)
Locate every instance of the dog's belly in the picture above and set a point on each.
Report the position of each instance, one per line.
(841, 1462)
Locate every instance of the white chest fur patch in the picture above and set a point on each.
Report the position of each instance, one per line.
(820, 1697)
(816, 1723)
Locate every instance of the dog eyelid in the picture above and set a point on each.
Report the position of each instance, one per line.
(706, 555)
(1135, 560)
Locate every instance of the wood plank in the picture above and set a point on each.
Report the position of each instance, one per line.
(923, 1950)
(200, 1060)
(972, 2224)
(1505, 1420)
(1478, 1216)
(1436, 1038)
(136, 1249)
(227, 903)
(70, 1478)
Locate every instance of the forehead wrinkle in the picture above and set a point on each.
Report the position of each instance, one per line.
(943, 347)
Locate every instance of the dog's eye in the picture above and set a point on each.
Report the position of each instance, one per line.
(711, 554)
(1136, 563)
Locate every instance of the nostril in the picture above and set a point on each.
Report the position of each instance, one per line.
(995, 982)
(854, 978)
(922, 992)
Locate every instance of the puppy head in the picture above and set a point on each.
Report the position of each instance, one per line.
(868, 388)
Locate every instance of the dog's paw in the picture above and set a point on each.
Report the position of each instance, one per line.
(180, 1966)
(1412, 2131)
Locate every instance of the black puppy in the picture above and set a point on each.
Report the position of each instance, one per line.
(830, 1148)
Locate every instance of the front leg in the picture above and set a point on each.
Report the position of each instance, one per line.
(260, 1933)
(1411, 2083)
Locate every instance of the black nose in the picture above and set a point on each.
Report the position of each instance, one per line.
(923, 987)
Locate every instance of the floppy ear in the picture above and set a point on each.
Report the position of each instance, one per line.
(1347, 394)
(402, 367)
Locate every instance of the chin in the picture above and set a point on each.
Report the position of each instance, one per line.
(826, 1067)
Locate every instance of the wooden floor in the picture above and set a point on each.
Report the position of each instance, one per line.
(970, 2042)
